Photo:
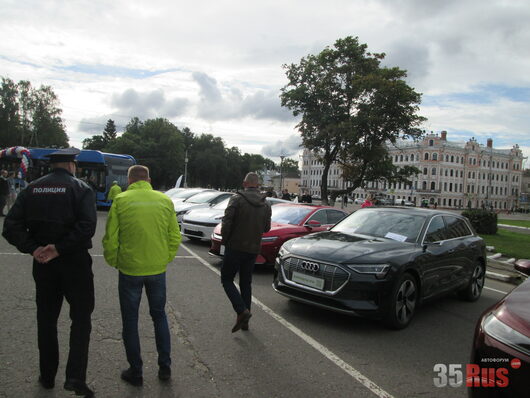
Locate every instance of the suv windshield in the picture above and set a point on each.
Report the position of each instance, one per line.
(289, 214)
(402, 227)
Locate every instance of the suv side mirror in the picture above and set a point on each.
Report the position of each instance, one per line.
(313, 224)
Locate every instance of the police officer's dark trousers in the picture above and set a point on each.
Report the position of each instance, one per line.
(69, 276)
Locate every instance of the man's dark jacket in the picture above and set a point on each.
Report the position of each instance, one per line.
(55, 209)
(246, 218)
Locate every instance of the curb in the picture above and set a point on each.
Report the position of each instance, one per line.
(505, 271)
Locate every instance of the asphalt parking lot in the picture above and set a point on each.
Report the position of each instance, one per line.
(291, 350)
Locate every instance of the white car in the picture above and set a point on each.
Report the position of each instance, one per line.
(205, 199)
(179, 197)
(359, 201)
(199, 224)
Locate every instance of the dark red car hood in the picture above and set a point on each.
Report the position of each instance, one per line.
(514, 309)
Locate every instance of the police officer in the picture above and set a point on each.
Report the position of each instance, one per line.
(54, 219)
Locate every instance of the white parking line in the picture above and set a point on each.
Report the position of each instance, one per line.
(365, 381)
(495, 290)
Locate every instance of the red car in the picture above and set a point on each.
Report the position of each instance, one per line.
(500, 358)
(289, 220)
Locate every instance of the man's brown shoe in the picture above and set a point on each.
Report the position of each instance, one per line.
(241, 319)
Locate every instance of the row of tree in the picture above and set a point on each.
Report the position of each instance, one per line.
(30, 116)
(164, 148)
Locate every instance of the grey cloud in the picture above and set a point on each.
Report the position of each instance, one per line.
(96, 125)
(148, 105)
(414, 57)
(132, 103)
(288, 147)
(216, 105)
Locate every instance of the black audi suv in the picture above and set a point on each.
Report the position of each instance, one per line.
(383, 262)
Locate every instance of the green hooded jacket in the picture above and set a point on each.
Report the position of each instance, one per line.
(142, 235)
(114, 191)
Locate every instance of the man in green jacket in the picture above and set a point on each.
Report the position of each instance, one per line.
(114, 191)
(141, 237)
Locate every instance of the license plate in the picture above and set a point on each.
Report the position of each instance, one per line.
(308, 280)
(222, 251)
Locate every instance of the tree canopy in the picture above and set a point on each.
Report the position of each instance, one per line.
(351, 107)
(161, 146)
(30, 116)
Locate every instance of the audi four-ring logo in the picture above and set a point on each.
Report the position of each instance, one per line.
(309, 266)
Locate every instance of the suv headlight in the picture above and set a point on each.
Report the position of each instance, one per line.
(283, 251)
(379, 270)
(500, 331)
(182, 212)
(217, 236)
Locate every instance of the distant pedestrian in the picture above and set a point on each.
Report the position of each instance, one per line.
(12, 189)
(114, 191)
(54, 219)
(141, 237)
(285, 195)
(4, 191)
(368, 202)
(246, 218)
(306, 198)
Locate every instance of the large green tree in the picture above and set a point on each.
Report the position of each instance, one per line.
(350, 107)
(30, 117)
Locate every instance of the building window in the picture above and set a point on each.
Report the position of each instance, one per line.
(451, 172)
(426, 157)
(412, 158)
(433, 185)
(452, 159)
(434, 156)
(425, 171)
(424, 185)
(401, 158)
(431, 142)
(433, 171)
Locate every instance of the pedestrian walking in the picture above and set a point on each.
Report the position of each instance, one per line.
(141, 237)
(4, 191)
(114, 191)
(12, 196)
(54, 219)
(246, 218)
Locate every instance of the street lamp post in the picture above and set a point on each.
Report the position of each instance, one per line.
(186, 169)
(281, 175)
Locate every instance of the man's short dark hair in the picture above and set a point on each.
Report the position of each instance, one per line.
(138, 172)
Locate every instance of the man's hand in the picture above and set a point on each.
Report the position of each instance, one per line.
(45, 254)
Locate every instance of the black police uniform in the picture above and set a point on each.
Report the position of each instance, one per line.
(58, 209)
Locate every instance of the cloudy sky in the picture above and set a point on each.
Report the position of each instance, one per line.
(216, 66)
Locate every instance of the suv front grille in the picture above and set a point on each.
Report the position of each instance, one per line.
(334, 277)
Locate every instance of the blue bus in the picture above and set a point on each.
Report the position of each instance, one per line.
(97, 169)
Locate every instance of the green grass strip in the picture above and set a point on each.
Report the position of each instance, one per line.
(510, 244)
(517, 223)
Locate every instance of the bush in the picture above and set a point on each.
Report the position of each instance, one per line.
(484, 221)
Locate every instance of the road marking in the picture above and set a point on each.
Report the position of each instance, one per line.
(495, 290)
(365, 381)
(93, 255)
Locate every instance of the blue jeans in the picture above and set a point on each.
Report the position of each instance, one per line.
(130, 290)
(235, 261)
